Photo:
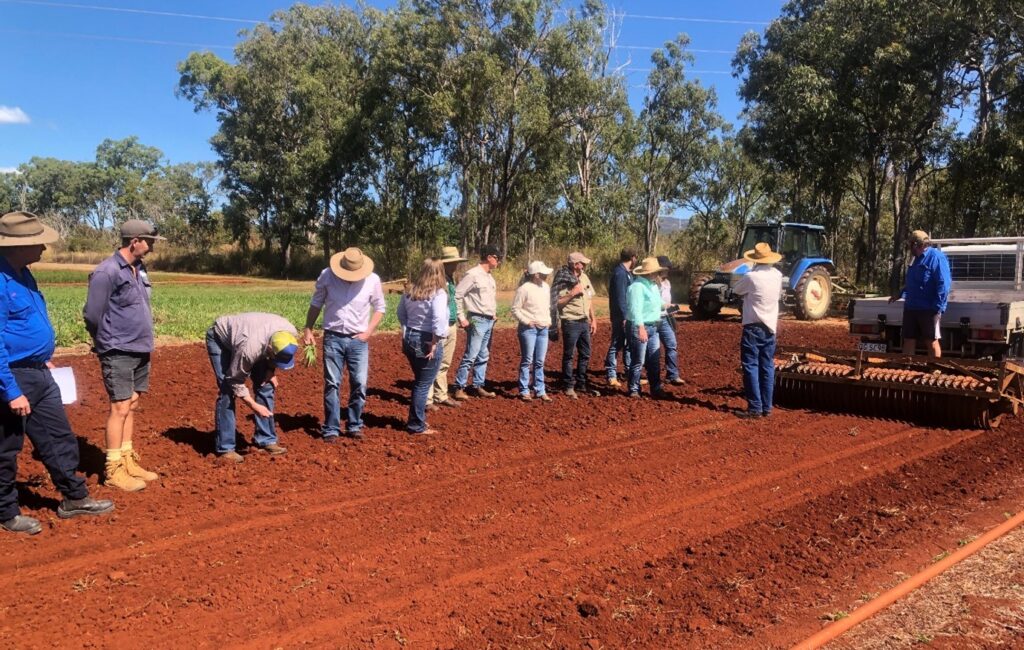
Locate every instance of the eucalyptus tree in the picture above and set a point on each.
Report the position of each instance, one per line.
(674, 132)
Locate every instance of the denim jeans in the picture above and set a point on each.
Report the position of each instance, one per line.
(416, 346)
(757, 356)
(533, 348)
(646, 354)
(355, 355)
(48, 428)
(667, 336)
(477, 353)
(620, 341)
(224, 412)
(575, 337)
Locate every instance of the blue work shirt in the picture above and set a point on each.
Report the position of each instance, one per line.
(928, 282)
(26, 330)
(117, 312)
(618, 283)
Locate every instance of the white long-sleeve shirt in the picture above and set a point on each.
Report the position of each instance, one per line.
(761, 289)
(532, 303)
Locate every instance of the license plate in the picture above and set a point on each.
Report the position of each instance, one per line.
(871, 347)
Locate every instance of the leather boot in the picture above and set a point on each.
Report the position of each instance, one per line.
(118, 477)
(130, 459)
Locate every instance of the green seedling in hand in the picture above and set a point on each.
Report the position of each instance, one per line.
(309, 352)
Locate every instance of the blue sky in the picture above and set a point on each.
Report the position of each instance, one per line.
(78, 72)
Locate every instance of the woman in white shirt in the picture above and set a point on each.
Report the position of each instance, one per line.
(531, 306)
(423, 313)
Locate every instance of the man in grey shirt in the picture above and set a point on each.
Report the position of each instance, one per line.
(249, 346)
(118, 317)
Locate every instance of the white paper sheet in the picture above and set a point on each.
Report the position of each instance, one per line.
(65, 378)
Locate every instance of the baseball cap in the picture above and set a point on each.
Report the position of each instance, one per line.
(487, 250)
(538, 266)
(284, 346)
(664, 262)
(139, 229)
(577, 256)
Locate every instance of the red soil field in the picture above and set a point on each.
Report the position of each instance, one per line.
(601, 523)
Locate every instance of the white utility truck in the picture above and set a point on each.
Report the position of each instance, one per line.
(985, 314)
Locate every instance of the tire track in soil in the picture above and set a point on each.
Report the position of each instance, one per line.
(603, 540)
(609, 538)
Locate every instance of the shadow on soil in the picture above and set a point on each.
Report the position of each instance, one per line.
(29, 498)
(307, 423)
(201, 441)
(91, 459)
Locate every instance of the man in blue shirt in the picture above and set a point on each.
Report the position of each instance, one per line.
(926, 292)
(31, 403)
(618, 283)
(119, 319)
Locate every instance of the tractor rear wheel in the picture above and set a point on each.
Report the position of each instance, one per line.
(699, 310)
(813, 294)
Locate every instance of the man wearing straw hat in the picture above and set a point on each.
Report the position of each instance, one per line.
(119, 319)
(761, 288)
(31, 403)
(643, 315)
(347, 291)
(438, 394)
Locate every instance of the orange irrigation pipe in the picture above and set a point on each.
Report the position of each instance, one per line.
(861, 614)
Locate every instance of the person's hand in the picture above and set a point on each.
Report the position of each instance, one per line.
(893, 299)
(463, 323)
(433, 351)
(641, 333)
(362, 336)
(273, 381)
(307, 336)
(261, 410)
(577, 289)
(49, 364)
(20, 406)
(593, 327)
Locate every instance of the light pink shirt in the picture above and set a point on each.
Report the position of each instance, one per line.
(347, 304)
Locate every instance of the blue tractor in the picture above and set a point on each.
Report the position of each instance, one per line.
(807, 271)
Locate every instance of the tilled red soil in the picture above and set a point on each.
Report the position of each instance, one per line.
(606, 522)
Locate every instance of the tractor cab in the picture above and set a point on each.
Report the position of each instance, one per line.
(805, 268)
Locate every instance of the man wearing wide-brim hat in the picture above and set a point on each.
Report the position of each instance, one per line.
(761, 289)
(31, 402)
(352, 299)
(438, 394)
(119, 319)
(643, 314)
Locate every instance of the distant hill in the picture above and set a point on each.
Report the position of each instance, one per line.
(672, 225)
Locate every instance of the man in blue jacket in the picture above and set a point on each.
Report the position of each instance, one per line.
(618, 283)
(926, 292)
(31, 403)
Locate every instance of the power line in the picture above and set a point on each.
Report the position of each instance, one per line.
(148, 12)
(122, 39)
(682, 19)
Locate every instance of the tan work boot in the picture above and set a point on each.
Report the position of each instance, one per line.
(130, 460)
(118, 477)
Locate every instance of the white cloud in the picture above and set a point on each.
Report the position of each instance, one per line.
(13, 115)
(8, 170)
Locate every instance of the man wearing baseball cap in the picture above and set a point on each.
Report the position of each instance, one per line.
(250, 346)
(119, 319)
(476, 303)
(926, 292)
(572, 296)
(352, 299)
(31, 402)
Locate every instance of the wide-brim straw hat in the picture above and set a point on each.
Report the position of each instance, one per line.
(22, 228)
(351, 265)
(649, 266)
(451, 254)
(762, 254)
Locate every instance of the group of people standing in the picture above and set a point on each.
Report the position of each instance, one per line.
(252, 347)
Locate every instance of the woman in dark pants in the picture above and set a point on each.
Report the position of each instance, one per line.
(423, 313)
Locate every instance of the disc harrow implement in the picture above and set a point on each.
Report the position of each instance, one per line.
(954, 394)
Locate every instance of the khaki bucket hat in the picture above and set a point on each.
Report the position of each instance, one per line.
(22, 228)
(451, 254)
(351, 265)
